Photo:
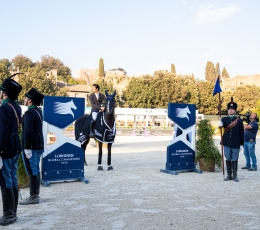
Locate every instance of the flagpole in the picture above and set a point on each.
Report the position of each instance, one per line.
(221, 138)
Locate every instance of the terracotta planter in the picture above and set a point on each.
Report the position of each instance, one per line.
(207, 166)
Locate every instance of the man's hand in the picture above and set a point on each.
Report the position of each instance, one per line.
(220, 124)
(1, 163)
(28, 153)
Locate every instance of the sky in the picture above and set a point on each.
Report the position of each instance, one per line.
(140, 36)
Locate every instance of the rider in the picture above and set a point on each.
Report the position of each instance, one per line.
(96, 99)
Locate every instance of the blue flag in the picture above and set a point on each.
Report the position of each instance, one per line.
(217, 88)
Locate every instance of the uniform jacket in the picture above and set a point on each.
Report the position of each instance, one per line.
(32, 137)
(9, 137)
(235, 136)
(96, 103)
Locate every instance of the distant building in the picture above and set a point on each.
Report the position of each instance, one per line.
(232, 83)
(118, 71)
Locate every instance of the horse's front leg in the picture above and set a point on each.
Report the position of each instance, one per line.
(100, 155)
(109, 146)
(84, 147)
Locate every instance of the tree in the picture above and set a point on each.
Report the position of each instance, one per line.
(210, 74)
(101, 71)
(246, 97)
(21, 62)
(258, 108)
(48, 63)
(36, 77)
(207, 103)
(225, 73)
(173, 70)
(4, 69)
(64, 73)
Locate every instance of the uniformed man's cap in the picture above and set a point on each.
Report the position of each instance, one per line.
(11, 88)
(35, 96)
(232, 105)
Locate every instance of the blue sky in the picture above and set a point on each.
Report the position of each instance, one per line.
(140, 36)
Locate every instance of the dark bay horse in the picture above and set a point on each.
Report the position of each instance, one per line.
(104, 130)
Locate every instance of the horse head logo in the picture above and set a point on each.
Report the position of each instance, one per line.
(182, 113)
(64, 108)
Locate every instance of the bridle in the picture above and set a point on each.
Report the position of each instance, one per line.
(110, 105)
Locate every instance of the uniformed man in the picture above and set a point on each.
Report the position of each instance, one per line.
(10, 118)
(232, 139)
(32, 143)
(96, 100)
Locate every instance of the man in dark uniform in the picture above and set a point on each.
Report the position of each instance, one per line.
(232, 139)
(10, 118)
(96, 100)
(32, 143)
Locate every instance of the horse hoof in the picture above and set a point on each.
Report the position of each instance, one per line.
(100, 168)
(109, 168)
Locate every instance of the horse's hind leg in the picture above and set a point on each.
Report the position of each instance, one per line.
(109, 145)
(100, 155)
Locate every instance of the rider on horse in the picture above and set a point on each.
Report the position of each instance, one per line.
(96, 100)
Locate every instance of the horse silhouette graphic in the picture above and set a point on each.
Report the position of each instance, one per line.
(64, 108)
(182, 113)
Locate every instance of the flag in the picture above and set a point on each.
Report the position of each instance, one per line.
(217, 88)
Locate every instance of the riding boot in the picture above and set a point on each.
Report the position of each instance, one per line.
(92, 124)
(8, 207)
(229, 171)
(234, 167)
(40, 181)
(34, 191)
(16, 198)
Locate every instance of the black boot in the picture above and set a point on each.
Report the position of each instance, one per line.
(229, 172)
(34, 191)
(16, 198)
(234, 167)
(8, 207)
(92, 124)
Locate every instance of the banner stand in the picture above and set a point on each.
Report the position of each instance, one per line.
(63, 160)
(180, 155)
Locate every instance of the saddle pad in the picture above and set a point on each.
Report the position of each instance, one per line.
(103, 133)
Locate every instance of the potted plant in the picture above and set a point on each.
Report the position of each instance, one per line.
(207, 153)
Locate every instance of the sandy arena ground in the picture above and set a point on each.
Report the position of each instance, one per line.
(136, 195)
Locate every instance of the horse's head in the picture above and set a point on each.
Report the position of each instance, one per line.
(187, 110)
(110, 103)
(72, 105)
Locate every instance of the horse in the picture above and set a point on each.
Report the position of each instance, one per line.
(104, 130)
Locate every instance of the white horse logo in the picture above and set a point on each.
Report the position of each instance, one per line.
(182, 113)
(64, 108)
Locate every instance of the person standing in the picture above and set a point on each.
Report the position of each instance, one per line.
(32, 143)
(10, 119)
(96, 100)
(251, 130)
(232, 138)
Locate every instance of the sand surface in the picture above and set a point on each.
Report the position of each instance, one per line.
(136, 195)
